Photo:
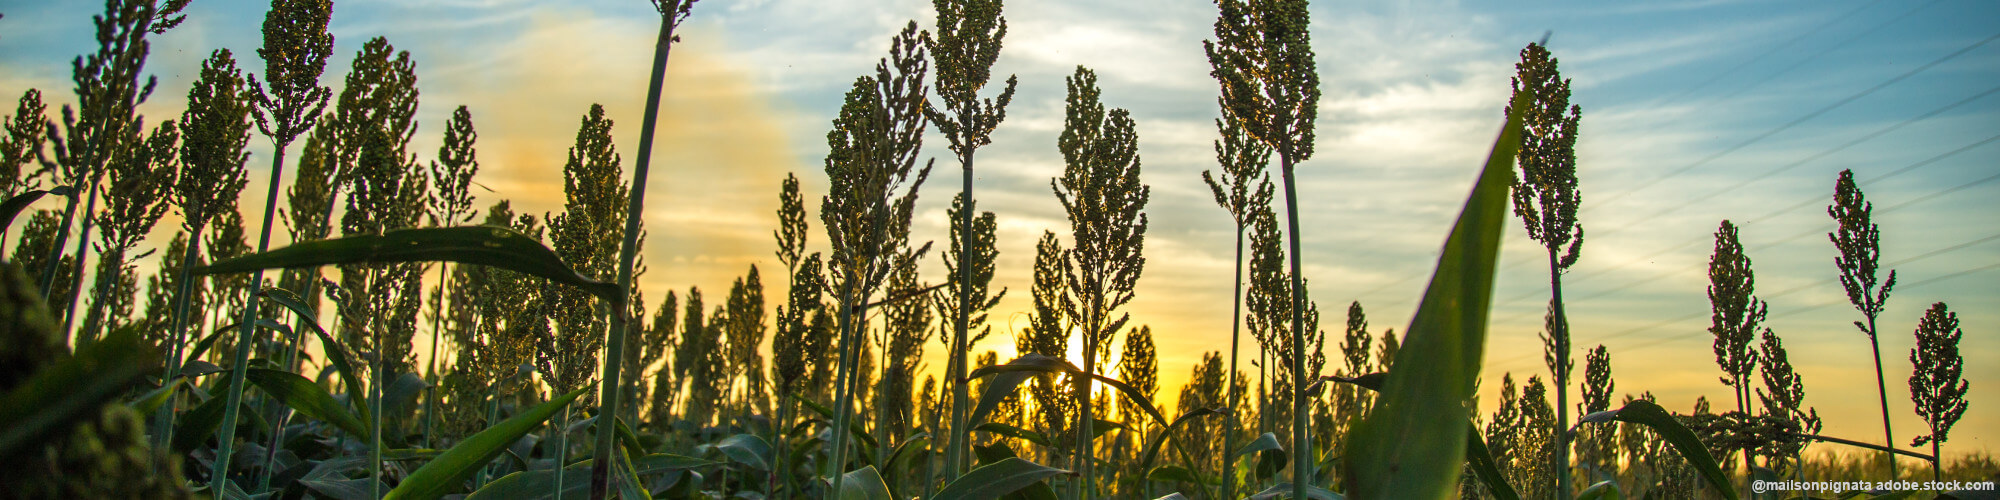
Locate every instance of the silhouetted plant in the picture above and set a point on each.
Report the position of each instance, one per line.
(1351, 403)
(1858, 240)
(1784, 395)
(1048, 334)
(1243, 189)
(871, 159)
(586, 236)
(1737, 314)
(663, 339)
(215, 129)
(1937, 385)
(745, 332)
(794, 347)
(26, 135)
(450, 205)
(1520, 436)
(1263, 57)
(1597, 445)
(1546, 199)
(1138, 366)
(37, 246)
(969, 34)
(138, 185)
(1101, 192)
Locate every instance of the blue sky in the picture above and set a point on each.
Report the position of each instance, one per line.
(1693, 112)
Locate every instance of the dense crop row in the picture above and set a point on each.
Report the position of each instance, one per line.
(251, 371)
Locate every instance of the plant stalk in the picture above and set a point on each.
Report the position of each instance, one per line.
(955, 449)
(1882, 391)
(1301, 442)
(55, 251)
(163, 422)
(614, 344)
(246, 334)
(1229, 423)
(1561, 334)
(76, 268)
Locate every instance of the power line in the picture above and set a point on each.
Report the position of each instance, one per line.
(1808, 159)
(1774, 50)
(1795, 122)
(1830, 49)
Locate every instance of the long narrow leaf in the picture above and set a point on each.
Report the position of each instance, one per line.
(307, 398)
(448, 472)
(1647, 413)
(1015, 432)
(995, 480)
(482, 245)
(1412, 443)
(1476, 452)
(336, 352)
(13, 206)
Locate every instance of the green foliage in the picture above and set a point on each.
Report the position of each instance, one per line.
(26, 136)
(1783, 397)
(1597, 446)
(215, 130)
(1737, 312)
(296, 45)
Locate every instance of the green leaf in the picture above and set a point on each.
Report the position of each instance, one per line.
(899, 459)
(1015, 432)
(336, 352)
(197, 425)
(992, 453)
(448, 472)
(1647, 413)
(13, 206)
(664, 462)
(995, 480)
(629, 485)
(400, 398)
(1284, 490)
(864, 484)
(71, 390)
(146, 403)
(1037, 363)
(1476, 452)
(1173, 496)
(747, 449)
(307, 398)
(1603, 490)
(341, 489)
(1271, 456)
(1412, 443)
(538, 484)
(853, 428)
(1153, 448)
(482, 245)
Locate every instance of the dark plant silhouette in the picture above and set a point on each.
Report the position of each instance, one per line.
(1243, 189)
(1546, 199)
(1737, 315)
(1859, 242)
(1938, 385)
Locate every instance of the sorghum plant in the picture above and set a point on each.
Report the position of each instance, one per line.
(1784, 395)
(969, 34)
(1859, 242)
(1048, 334)
(1263, 57)
(451, 174)
(1546, 199)
(1938, 385)
(1101, 192)
(138, 183)
(1243, 189)
(1597, 446)
(1737, 314)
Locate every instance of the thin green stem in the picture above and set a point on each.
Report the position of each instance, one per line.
(1882, 390)
(246, 335)
(954, 449)
(614, 345)
(163, 423)
(1561, 333)
(76, 267)
(437, 331)
(55, 251)
(1302, 462)
(1230, 424)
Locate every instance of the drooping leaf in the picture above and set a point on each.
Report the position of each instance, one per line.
(1651, 415)
(1177, 474)
(992, 453)
(1015, 432)
(13, 206)
(1603, 490)
(400, 397)
(448, 472)
(1271, 456)
(1412, 442)
(747, 449)
(153, 399)
(998, 479)
(535, 484)
(482, 245)
(629, 485)
(307, 398)
(71, 389)
(1153, 448)
(864, 484)
(1038, 363)
(197, 425)
(336, 353)
(1476, 453)
(853, 428)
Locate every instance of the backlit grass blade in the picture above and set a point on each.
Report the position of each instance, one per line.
(747, 449)
(448, 472)
(71, 390)
(1015, 432)
(336, 353)
(1412, 443)
(864, 484)
(307, 398)
(1476, 452)
(13, 206)
(998, 479)
(1651, 415)
(1271, 456)
(151, 400)
(482, 245)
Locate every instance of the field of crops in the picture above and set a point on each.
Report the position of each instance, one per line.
(290, 367)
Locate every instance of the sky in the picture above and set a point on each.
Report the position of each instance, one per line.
(1694, 111)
